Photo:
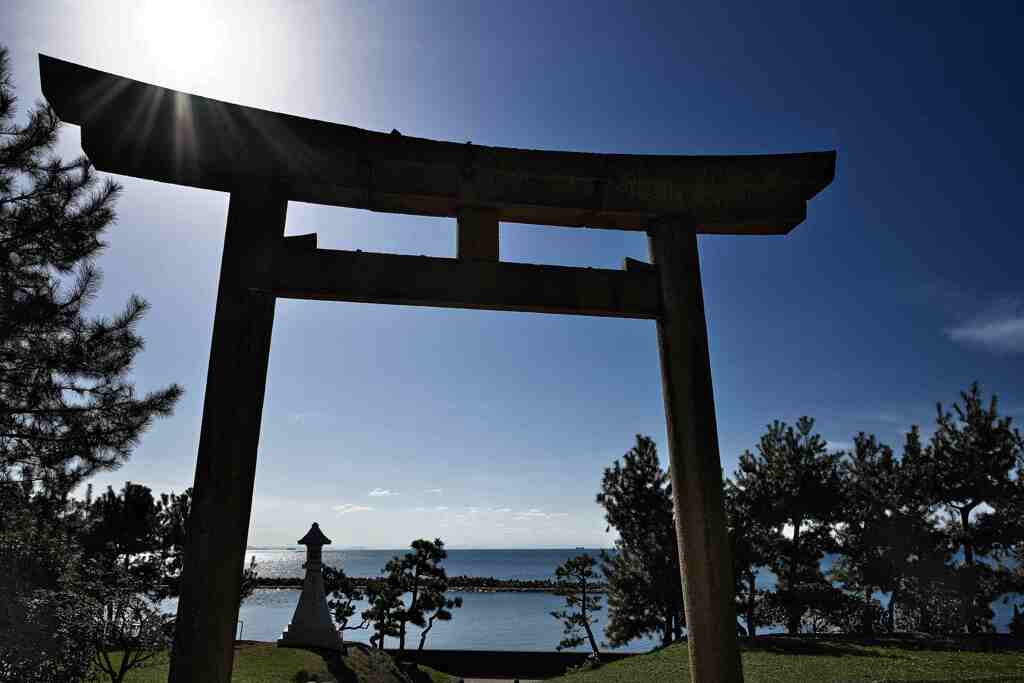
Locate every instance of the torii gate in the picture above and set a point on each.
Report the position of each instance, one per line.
(265, 159)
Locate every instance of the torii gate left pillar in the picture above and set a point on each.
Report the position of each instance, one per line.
(263, 159)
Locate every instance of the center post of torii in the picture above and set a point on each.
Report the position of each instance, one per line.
(265, 159)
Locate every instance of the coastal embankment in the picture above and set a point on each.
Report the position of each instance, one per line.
(463, 584)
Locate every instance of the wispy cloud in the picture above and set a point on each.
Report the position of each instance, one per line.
(438, 491)
(534, 513)
(501, 510)
(382, 492)
(346, 508)
(999, 328)
(441, 508)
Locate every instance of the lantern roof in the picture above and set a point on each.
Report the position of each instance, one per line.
(314, 537)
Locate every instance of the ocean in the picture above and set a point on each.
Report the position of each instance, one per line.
(487, 621)
(277, 562)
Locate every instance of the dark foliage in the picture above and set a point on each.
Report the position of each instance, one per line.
(67, 408)
(967, 473)
(872, 519)
(385, 605)
(128, 623)
(172, 528)
(573, 579)
(344, 594)
(48, 598)
(793, 481)
(1017, 623)
(643, 576)
(436, 607)
(750, 541)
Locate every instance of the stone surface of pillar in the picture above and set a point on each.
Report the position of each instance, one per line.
(311, 624)
(695, 465)
(229, 437)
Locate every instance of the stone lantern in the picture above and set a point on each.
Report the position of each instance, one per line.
(312, 624)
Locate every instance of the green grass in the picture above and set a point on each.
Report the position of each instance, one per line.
(266, 663)
(805, 661)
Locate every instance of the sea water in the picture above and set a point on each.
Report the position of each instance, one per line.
(487, 621)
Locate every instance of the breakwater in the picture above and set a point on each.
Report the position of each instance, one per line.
(467, 584)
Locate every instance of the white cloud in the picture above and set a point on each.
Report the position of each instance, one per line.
(346, 508)
(438, 491)
(382, 492)
(441, 508)
(840, 445)
(999, 328)
(534, 513)
(501, 510)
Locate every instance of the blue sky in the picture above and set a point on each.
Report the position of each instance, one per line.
(491, 429)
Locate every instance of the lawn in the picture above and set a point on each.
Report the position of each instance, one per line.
(798, 661)
(266, 663)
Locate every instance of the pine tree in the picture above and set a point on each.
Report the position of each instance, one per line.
(67, 408)
(967, 472)
(574, 582)
(344, 594)
(751, 542)
(793, 481)
(869, 516)
(645, 594)
(421, 576)
(384, 597)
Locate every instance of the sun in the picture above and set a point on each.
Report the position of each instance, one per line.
(189, 37)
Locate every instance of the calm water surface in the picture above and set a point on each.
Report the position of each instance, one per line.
(487, 621)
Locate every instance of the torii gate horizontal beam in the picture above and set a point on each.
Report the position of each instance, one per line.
(298, 271)
(146, 131)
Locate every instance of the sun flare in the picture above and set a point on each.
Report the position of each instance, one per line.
(188, 36)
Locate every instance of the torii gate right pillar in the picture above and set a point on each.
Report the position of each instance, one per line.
(695, 466)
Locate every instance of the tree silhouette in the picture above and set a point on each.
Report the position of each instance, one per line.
(966, 472)
(123, 528)
(645, 594)
(344, 594)
(573, 579)
(751, 541)
(420, 574)
(869, 519)
(67, 409)
(793, 482)
(436, 607)
(128, 624)
(385, 602)
(172, 523)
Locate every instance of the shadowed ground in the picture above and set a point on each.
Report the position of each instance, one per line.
(780, 659)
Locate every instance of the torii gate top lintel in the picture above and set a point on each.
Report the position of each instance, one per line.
(137, 129)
